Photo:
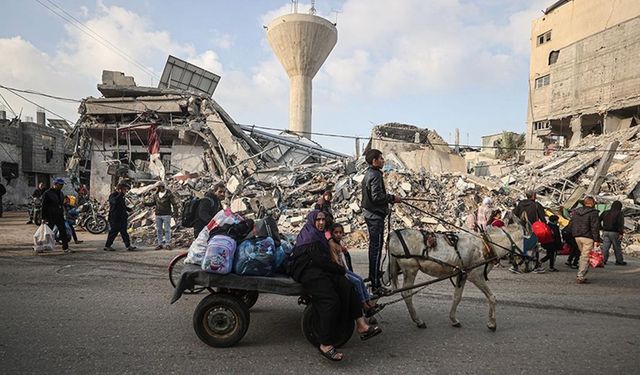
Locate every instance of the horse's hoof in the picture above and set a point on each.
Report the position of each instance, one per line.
(422, 325)
(492, 328)
(456, 324)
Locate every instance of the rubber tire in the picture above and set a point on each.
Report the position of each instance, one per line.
(175, 270)
(311, 336)
(101, 221)
(231, 305)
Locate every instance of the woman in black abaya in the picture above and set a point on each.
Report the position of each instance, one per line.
(333, 298)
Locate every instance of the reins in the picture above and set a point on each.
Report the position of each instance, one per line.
(514, 250)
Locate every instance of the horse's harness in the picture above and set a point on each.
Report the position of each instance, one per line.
(430, 241)
(489, 254)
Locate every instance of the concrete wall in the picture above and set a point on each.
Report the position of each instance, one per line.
(597, 69)
(34, 153)
(22, 144)
(187, 157)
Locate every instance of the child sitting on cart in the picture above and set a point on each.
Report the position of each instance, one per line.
(341, 256)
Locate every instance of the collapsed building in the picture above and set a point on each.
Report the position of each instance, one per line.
(584, 76)
(146, 133)
(415, 149)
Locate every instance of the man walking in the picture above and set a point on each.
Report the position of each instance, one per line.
(53, 211)
(208, 207)
(612, 222)
(164, 201)
(118, 217)
(375, 206)
(585, 227)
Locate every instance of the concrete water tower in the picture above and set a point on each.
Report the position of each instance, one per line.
(302, 43)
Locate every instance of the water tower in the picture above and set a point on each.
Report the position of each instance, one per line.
(302, 43)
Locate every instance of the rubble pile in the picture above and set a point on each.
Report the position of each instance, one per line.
(289, 192)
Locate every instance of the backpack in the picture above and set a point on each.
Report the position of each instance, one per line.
(189, 211)
(543, 232)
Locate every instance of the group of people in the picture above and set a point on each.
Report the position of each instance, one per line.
(582, 234)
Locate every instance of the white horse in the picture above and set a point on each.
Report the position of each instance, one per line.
(470, 249)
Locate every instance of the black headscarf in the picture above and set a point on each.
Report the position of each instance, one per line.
(310, 234)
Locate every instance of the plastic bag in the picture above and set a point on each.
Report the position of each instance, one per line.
(565, 249)
(44, 239)
(219, 255)
(255, 257)
(198, 248)
(223, 217)
(596, 258)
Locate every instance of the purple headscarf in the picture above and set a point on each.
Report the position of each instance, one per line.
(310, 234)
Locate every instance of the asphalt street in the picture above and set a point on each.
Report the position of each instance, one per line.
(99, 312)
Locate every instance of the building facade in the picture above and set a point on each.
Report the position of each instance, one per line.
(584, 73)
(30, 153)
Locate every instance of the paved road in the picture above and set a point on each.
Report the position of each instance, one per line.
(97, 312)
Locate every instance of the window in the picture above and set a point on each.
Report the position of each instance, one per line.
(542, 81)
(544, 38)
(542, 125)
(553, 57)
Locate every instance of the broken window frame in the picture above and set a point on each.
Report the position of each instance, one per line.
(543, 38)
(543, 81)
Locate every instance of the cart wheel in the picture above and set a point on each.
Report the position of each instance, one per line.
(175, 270)
(310, 334)
(221, 320)
(248, 297)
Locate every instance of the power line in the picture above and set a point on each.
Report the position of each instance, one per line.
(331, 135)
(8, 105)
(345, 136)
(94, 35)
(36, 104)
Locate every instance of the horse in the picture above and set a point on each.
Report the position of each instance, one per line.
(469, 252)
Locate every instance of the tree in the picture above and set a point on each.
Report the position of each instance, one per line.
(510, 145)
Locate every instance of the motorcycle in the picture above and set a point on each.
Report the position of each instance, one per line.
(35, 211)
(91, 218)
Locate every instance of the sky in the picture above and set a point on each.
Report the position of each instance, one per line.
(439, 64)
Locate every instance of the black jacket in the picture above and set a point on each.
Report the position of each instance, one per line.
(118, 211)
(586, 223)
(208, 207)
(375, 199)
(38, 193)
(532, 209)
(164, 204)
(612, 221)
(312, 261)
(53, 205)
(557, 238)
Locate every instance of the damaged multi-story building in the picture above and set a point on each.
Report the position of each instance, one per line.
(30, 152)
(584, 75)
(147, 133)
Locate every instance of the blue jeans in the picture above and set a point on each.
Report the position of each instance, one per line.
(358, 283)
(608, 239)
(163, 223)
(376, 239)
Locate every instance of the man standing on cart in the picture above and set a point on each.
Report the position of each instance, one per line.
(375, 207)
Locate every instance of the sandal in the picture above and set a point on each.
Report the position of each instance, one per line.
(331, 354)
(371, 332)
(373, 311)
